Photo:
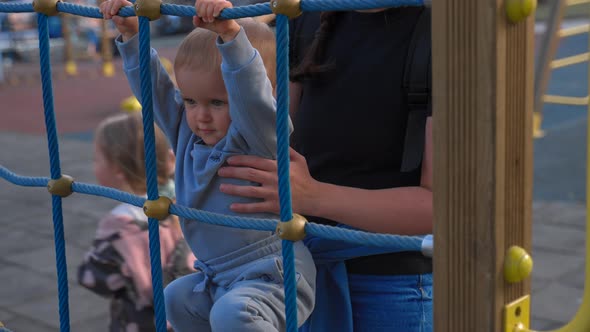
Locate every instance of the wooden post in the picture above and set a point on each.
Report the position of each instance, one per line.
(482, 124)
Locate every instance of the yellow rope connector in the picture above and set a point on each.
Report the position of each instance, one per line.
(47, 7)
(294, 229)
(62, 186)
(157, 209)
(518, 10)
(289, 8)
(148, 8)
(518, 264)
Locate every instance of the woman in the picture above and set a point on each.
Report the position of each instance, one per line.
(348, 164)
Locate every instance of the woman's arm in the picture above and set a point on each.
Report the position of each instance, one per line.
(404, 210)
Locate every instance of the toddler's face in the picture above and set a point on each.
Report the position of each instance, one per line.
(206, 103)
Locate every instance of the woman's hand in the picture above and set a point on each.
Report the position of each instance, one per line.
(127, 26)
(264, 171)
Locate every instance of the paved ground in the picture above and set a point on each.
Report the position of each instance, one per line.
(28, 292)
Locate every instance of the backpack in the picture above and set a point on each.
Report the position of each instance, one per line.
(417, 90)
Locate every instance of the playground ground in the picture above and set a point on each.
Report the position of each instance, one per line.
(28, 283)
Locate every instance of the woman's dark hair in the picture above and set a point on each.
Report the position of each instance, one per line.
(313, 62)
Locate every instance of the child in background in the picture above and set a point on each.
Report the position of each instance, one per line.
(224, 106)
(117, 265)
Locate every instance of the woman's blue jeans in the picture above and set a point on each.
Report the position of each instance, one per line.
(399, 303)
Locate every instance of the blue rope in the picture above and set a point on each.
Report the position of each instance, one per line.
(16, 7)
(22, 180)
(150, 167)
(229, 13)
(282, 129)
(60, 249)
(86, 11)
(395, 243)
(392, 242)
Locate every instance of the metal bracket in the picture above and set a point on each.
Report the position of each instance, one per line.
(517, 315)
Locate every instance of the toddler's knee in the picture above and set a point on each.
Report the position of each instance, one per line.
(229, 315)
(173, 301)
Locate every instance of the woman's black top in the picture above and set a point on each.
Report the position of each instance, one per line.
(351, 121)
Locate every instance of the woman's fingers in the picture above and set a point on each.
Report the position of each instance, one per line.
(253, 162)
(255, 207)
(249, 174)
(248, 191)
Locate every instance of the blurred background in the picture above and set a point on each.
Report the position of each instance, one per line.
(88, 86)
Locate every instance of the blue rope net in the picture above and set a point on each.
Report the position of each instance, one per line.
(392, 243)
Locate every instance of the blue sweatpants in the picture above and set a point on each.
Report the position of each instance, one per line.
(400, 303)
(241, 291)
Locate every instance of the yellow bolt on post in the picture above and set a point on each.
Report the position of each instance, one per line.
(518, 264)
(61, 187)
(293, 230)
(148, 8)
(157, 209)
(289, 8)
(518, 10)
(47, 7)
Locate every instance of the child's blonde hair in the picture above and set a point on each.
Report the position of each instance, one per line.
(120, 139)
(198, 49)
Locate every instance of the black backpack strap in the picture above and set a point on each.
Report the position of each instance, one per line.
(417, 89)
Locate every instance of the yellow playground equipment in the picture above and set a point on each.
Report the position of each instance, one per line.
(518, 263)
(546, 62)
